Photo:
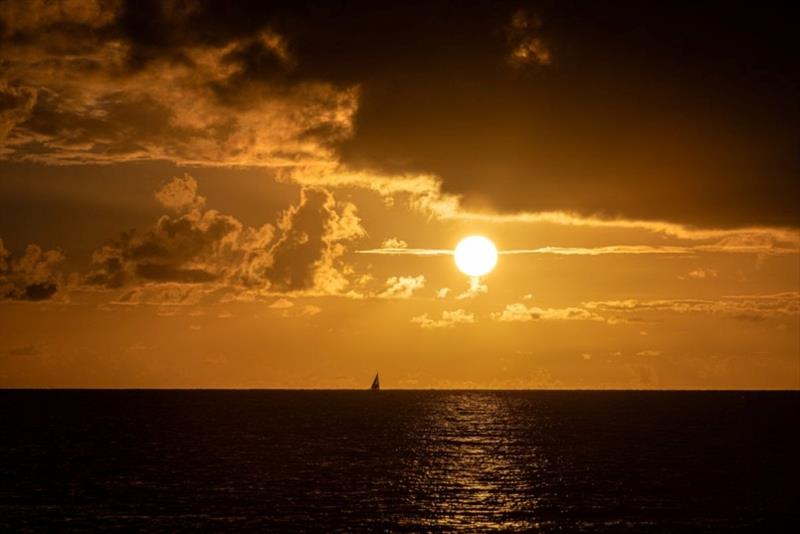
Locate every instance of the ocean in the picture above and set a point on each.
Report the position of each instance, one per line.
(414, 461)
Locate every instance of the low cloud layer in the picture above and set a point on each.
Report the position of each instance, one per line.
(744, 307)
(520, 313)
(741, 307)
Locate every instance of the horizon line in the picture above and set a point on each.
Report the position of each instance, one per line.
(99, 388)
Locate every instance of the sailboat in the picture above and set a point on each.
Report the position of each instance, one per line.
(376, 384)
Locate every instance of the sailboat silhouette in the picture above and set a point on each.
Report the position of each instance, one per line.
(376, 384)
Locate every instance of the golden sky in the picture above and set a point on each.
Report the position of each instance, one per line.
(193, 196)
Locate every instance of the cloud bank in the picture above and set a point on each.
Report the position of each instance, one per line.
(197, 247)
(575, 116)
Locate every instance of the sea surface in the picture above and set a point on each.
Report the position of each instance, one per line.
(570, 461)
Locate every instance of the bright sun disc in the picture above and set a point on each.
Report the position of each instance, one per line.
(475, 255)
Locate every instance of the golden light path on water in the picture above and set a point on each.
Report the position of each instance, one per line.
(475, 469)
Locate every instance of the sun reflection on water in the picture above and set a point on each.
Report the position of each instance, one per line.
(472, 469)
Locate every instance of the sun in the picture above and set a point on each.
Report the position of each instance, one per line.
(475, 255)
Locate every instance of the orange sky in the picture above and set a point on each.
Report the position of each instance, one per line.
(200, 199)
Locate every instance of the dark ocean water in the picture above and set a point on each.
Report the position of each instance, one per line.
(399, 460)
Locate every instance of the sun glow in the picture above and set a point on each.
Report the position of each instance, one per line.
(475, 255)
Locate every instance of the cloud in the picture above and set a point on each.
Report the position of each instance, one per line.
(649, 353)
(424, 194)
(180, 194)
(741, 307)
(288, 309)
(520, 313)
(190, 245)
(448, 319)
(102, 82)
(202, 84)
(595, 142)
(402, 287)
(404, 251)
(476, 287)
(601, 251)
(314, 231)
(162, 294)
(26, 350)
(15, 107)
(23, 18)
(744, 307)
(764, 244)
(281, 304)
(30, 277)
(201, 250)
(699, 273)
(307, 310)
(527, 47)
(393, 243)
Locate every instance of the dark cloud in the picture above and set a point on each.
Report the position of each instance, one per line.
(669, 112)
(191, 244)
(196, 245)
(15, 106)
(32, 276)
(313, 231)
(300, 247)
(107, 81)
(27, 350)
(679, 112)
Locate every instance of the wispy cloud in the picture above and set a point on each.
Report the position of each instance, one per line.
(449, 319)
(520, 313)
(723, 247)
(746, 307)
(394, 251)
(742, 307)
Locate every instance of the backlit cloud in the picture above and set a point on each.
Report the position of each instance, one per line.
(402, 286)
(208, 250)
(81, 84)
(476, 287)
(759, 246)
(527, 46)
